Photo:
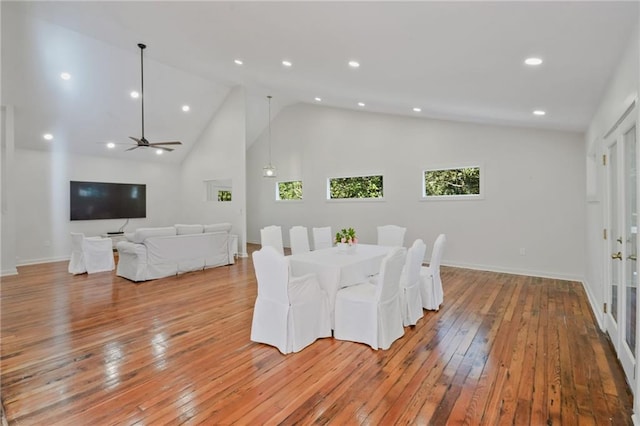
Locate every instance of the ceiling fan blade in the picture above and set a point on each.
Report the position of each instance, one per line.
(165, 143)
(163, 148)
(133, 147)
(137, 140)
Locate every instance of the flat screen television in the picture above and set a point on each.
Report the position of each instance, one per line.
(103, 200)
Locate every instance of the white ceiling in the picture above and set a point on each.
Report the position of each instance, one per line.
(455, 60)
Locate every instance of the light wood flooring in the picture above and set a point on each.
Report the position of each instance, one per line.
(101, 350)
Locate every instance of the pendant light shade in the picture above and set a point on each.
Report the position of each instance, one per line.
(269, 171)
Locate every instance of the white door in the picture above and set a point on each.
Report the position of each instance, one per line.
(622, 243)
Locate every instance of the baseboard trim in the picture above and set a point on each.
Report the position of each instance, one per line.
(8, 272)
(597, 312)
(515, 271)
(43, 260)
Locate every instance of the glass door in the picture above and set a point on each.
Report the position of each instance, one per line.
(622, 244)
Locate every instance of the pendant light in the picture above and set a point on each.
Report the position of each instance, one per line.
(269, 171)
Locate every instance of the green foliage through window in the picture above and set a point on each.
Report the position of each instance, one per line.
(463, 181)
(356, 187)
(290, 190)
(224, 195)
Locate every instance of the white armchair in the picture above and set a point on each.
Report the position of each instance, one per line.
(299, 239)
(391, 235)
(90, 254)
(289, 313)
(272, 236)
(431, 284)
(410, 293)
(370, 312)
(322, 238)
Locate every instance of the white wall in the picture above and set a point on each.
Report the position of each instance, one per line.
(218, 154)
(8, 217)
(41, 193)
(622, 90)
(534, 186)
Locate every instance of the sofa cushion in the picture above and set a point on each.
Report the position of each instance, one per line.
(188, 229)
(217, 227)
(142, 234)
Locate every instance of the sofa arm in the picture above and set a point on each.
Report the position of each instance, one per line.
(132, 260)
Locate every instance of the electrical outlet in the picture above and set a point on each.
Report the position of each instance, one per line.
(522, 251)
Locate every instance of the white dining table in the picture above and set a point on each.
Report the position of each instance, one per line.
(337, 268)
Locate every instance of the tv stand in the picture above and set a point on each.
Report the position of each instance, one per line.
(116, 237)
(115, 233)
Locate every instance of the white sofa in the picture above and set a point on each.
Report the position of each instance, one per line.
(152, 253)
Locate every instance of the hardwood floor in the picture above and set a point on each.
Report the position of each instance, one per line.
(98, 349)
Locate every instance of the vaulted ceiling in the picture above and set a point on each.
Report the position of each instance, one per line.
(454, 60)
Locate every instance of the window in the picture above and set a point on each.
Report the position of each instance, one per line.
(355, 187)
(224, 195)
(291, 190)
(459, 182)
(217, 190)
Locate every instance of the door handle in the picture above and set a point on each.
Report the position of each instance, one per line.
(617, 255)
(632, 257)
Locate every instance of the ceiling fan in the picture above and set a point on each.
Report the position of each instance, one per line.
(142, 142)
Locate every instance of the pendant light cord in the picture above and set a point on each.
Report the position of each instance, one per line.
(269, 97)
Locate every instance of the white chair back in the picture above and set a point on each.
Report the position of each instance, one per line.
(97, 254)
(390, 271)
(391, 235)
(434, 264)
(410, 284)
(272, 273)
(322, 238)
(415, 257)
(299, 239)
(272, 236)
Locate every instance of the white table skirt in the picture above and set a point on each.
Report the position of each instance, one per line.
(336, 268)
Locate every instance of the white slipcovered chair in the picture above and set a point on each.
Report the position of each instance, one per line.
(370, 312)
(272, 236)
(299, 239)
(410, 291)
(289, 313)
(90, 254)
(391, 235)
(430, 283)
(322, 238)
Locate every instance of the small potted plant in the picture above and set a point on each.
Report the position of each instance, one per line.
(346, 238)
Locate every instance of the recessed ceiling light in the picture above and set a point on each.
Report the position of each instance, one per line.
(317, 99)
(159, 152)
(111, 145)
(533, 61)
(417, 109)
(238, 61)
(539, 112)
(185, 108)
(287, 63)
(135, 95)
(65, 76)
(354, 64)
(47, 136)
(361, 104)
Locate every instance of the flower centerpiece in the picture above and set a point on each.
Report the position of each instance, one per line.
(346, 238)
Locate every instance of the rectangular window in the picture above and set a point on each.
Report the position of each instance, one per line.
(224, 195)
(355, 187)
(291, 190)
(217, 190)
(455, 182)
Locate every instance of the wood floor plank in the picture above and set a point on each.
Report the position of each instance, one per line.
(99, 349)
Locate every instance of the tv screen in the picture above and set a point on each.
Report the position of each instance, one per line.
(102, 200)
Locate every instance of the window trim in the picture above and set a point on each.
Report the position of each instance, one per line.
(473, 197)
(342, 200)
